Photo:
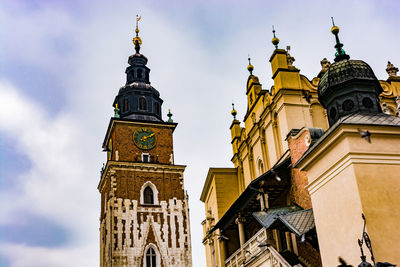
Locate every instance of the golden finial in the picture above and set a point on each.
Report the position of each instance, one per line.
(250, 67)
(116, 111)
(169, 115)
(137, 38)
(334, 29)
(275, 40)
(233, 112)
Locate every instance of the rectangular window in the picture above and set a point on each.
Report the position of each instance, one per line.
(146, 157)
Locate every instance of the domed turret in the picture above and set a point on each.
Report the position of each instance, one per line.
(348, 86)
(138, 99)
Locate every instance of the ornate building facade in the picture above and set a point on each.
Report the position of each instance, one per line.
(313, 158)
(144, 218)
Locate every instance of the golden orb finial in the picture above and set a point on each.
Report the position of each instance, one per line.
(137, 38)
(250, 67)
(233, 112)
(275, 40)
(334, 29)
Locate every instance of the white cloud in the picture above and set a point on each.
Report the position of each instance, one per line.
(25, 256)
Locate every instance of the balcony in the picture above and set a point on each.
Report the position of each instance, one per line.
(255, 255)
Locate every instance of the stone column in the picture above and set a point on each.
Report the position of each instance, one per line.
(270, 236)
(242, 238)
(222, 249)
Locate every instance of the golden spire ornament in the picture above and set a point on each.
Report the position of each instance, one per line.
(137, 38)
(275, 40)
(250, 67)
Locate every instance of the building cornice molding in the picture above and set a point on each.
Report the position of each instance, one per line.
(210, 175)
(352, 158)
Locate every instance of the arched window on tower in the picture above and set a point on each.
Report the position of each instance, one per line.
(139, 73)
(157, 108)
(151, 258)
(142, 103)
(125, 105)
(148, 196)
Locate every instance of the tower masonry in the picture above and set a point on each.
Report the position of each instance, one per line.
(144, 217)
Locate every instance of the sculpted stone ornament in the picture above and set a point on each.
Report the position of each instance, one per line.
(391, 70)
(325, 64)
(289, 58)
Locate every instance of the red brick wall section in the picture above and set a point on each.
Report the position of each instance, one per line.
(127, 150)
(310, 254)
(130, 182)
(298, 192)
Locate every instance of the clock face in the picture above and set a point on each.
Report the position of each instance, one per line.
(144, 138)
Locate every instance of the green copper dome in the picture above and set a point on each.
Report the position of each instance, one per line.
(344, 71)
(349, 86)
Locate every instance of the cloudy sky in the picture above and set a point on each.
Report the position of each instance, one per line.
(62, 63)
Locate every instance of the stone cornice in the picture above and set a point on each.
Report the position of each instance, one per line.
(209, 179)
(349, 159)
(139, 166)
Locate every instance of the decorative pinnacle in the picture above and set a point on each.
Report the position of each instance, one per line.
(275, 40)
(116, 111)
(340, 53)
(250, 67)
(169, 116)
(137, 41)
(233, 112)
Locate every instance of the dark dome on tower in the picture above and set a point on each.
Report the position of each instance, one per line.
(137, 99)
(348, 86)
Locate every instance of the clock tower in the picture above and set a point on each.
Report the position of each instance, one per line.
(144, 217)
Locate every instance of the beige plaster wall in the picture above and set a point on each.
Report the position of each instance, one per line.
(379, 188)
(337, 212)
(347, 177)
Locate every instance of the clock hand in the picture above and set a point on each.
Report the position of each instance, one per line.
(151, 135)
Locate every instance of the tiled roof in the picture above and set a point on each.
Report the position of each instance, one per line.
(267, 218)
(293, 218)
(371, 119)
(300, 222)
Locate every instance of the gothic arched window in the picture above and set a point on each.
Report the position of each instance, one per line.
(142, 103)
(148, 195)
(157, 108)
(151, 259)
